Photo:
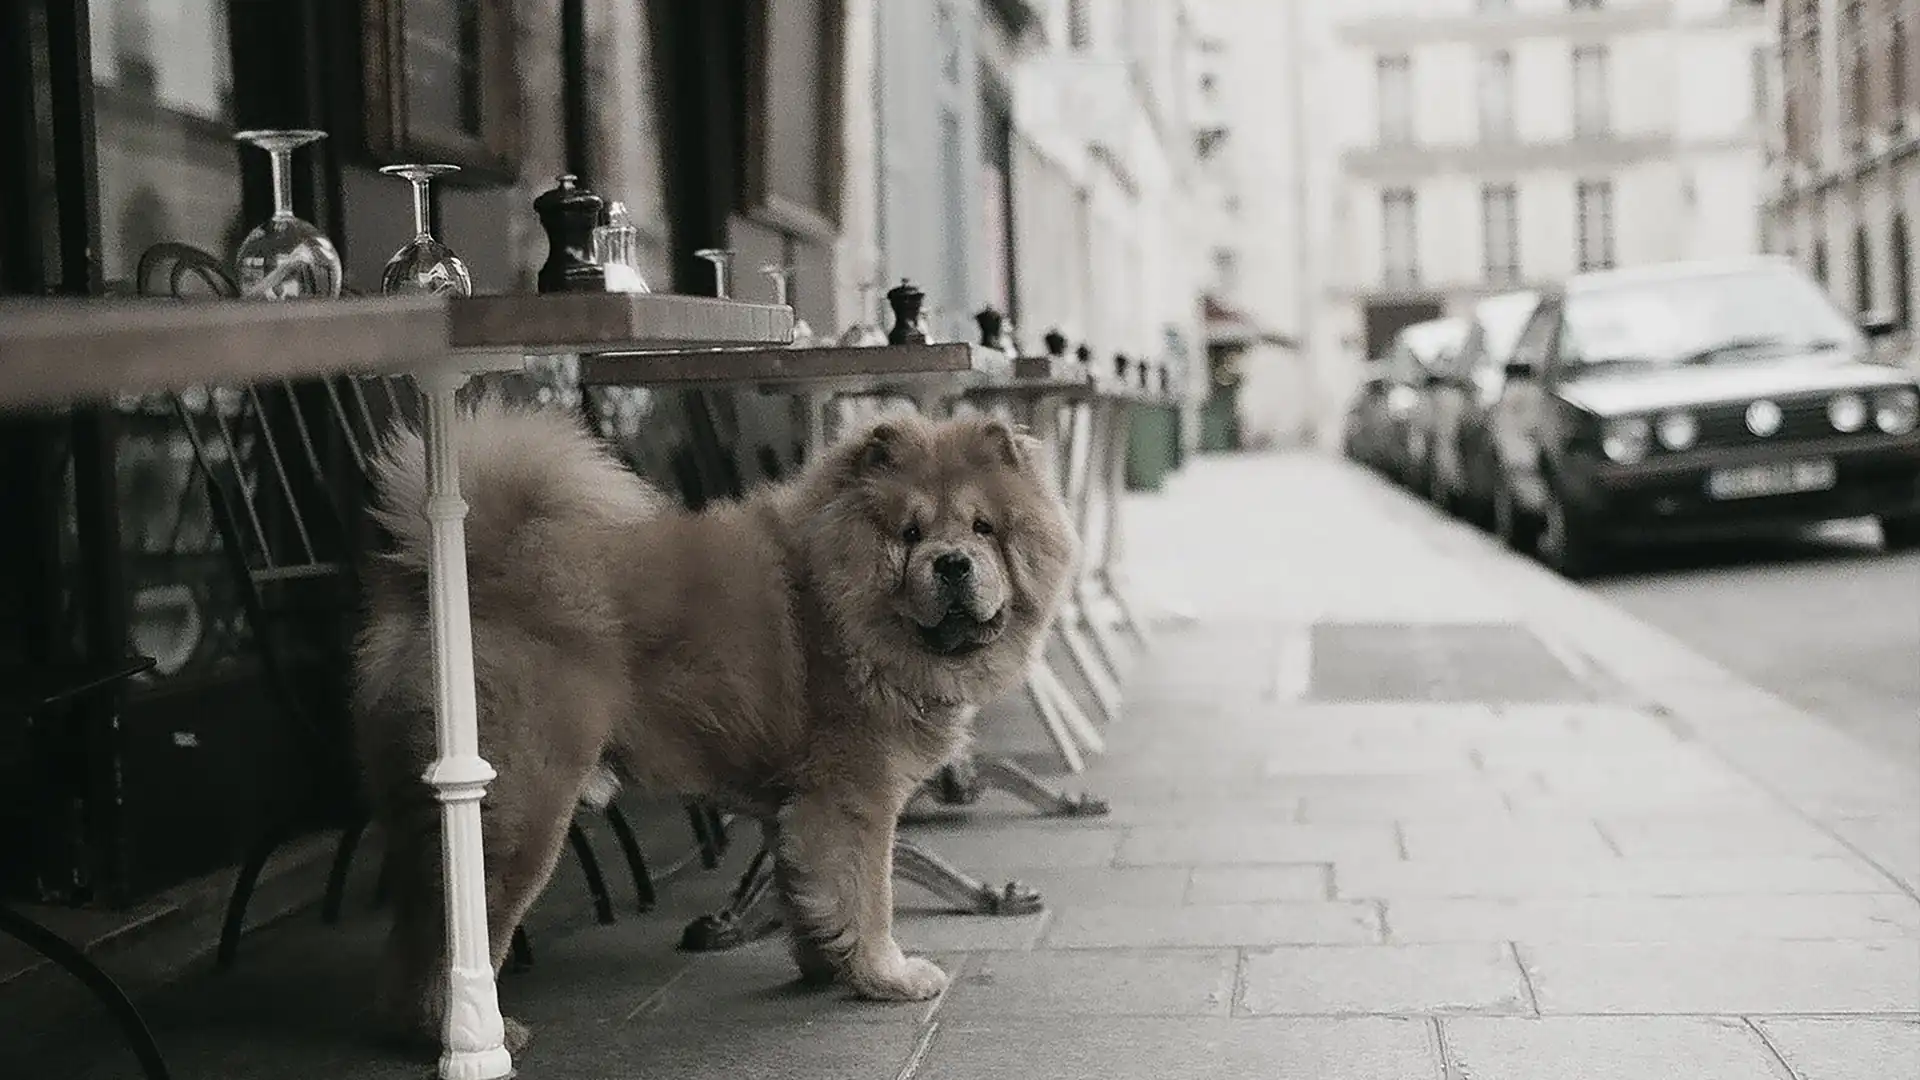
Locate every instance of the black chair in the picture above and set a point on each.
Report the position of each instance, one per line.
(31, 694)
(286, 471)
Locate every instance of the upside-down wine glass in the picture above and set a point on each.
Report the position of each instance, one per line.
(782, 277)
(722, 261)
(424, 265)
(285, 257)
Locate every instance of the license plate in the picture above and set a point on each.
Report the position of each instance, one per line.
(1782, 478)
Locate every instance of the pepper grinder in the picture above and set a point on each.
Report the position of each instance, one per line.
(569, 212)
(1084, 354)
(909, 325)
(993, 330)
(1120, 363)
(1056, 343)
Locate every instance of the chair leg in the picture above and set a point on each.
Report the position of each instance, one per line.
(520, 951)
(596, 881)
(703, 835)
(133, 1027)
(243, 885)
(636, 861)
(337, 875)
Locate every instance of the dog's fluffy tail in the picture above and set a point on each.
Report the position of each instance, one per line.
(518, 465)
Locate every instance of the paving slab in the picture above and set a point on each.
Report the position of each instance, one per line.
(691, 1050)
(1718, 835)
(1843, 916)
(1078, 886)
(1494, 876)
(1255, 842)
(1739, 977)
(927, 931)
(1112, 982)
(1471, 840)
(1384, 980)
(1855, 1048)
(1608, 1048)
(1300, 922)
(1157, 1049)
(1259, 884)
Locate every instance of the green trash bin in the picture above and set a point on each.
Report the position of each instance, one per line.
(1151, 446)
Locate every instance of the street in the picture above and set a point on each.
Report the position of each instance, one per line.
(1829, 623)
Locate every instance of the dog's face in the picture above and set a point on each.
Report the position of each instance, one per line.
(945, 546)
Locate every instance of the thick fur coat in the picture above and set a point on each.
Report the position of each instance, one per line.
(807, 656)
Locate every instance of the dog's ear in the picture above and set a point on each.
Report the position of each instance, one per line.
(1009, 446)
(878, 452)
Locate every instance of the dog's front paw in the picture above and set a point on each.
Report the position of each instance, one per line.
(518, 1035)
(908, 978)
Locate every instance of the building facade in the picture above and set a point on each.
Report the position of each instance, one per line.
(1497, 144)
(1843, 176)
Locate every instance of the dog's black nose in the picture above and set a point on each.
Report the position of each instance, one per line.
(953, 567)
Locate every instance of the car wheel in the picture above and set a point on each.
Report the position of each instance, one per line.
(1511, 522)
(1566, 542)
(1900, 533)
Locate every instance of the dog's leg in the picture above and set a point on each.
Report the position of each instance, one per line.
(836, 876)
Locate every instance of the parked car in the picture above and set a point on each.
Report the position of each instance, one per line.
(1364, 438)
(1418, 352)
(1465, 465)
(1698, 399)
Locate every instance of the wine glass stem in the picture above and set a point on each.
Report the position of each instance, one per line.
(419, 207)
(282, 183)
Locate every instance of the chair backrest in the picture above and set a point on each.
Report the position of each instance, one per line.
(285, 468)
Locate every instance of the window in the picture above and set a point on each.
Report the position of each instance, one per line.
(1500, 233)
(1862, 271)
(1902, 256)
(1590, 90)
(1400, 262)
(1762, 80)
(1493, 5)
(1079, 25)
(1496, 96)
(1394, 78)
(1595, 226)
(1855, 73)
(1584, 5)
(1226, 270)
(1898, 88)
(1820, 262)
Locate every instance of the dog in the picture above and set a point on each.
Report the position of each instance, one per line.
(808, 655)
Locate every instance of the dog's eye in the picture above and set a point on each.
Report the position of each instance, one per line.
(910, 534)
(983, 526)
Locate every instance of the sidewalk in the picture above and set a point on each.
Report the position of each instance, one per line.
(1393, 806)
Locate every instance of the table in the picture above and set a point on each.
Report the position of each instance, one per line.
(55, 353)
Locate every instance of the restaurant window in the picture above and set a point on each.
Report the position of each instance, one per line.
(1594, 209)
(1855, 73)
(1500, 233)
(1393, 77)
(1496, 96)
(1585, 5)
(1590, 91)
(1820, 262)
(1079, 25)
(1760, 66)
(168, 170)
(163, 130)
(1399, 237)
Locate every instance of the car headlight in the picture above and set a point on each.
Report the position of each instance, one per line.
(1624, 440)
(1402, 399)
(1677, 430)
(1897, 411)
(1847, 413)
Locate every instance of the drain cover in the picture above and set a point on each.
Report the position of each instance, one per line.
(1490, 662)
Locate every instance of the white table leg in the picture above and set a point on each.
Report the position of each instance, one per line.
(475, 1037)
